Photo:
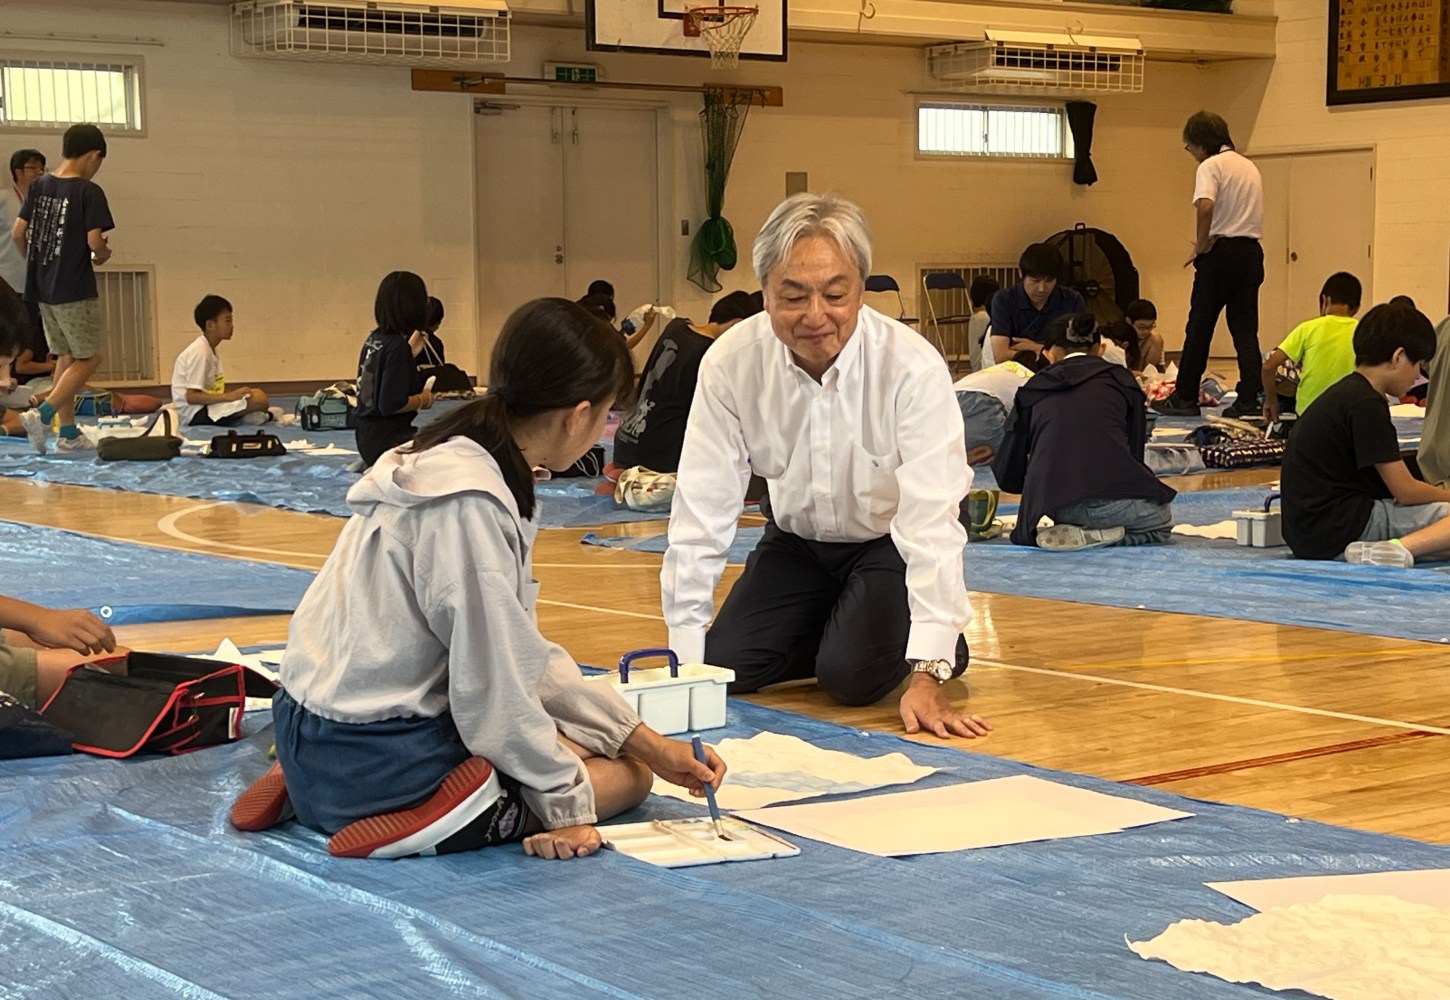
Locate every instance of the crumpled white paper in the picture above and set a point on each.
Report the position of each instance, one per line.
(1343, 948)
(769, 768)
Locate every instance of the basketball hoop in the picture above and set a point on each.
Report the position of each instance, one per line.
(723, 29)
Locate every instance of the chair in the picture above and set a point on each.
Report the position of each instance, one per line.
(886, 283)
(946, 282)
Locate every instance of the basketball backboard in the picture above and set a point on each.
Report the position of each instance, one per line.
(657, 26)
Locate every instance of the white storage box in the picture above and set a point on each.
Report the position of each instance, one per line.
(673, 699)
(1261, 529)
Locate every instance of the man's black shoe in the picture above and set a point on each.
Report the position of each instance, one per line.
(1171, 407)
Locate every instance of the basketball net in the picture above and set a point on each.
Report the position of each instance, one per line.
(723, 30)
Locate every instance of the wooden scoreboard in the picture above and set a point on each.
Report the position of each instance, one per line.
(1388, 50)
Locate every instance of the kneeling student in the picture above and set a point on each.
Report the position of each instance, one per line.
(198, 388)
(986, 397)
(421, 710)
(1074, 450)
(1345, 487)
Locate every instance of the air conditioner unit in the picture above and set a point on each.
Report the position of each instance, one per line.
(373, 31)
(1018, 62)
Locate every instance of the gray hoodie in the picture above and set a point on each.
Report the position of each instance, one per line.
(426, 606)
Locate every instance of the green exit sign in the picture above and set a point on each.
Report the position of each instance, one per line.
(570, 73)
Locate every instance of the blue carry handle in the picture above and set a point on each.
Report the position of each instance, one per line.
(628, 658)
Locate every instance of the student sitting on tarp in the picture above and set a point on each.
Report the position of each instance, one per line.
(421, 710)
(987, 396)
(198, 387)
(1346, 490)
(653, 433)
(1074, 450)
(1322, 348)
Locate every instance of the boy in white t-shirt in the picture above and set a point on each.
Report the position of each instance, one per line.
(197, 386)
(986, 397)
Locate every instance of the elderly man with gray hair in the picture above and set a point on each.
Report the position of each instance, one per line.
(851, 420)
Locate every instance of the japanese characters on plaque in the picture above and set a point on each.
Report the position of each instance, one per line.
(1388, 50)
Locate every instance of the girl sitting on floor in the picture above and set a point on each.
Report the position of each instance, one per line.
(420, 710)
(1074, 450)
(390, 389)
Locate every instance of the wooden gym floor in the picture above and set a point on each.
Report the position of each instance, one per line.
(1323, 725)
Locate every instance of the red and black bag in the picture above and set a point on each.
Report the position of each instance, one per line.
(162, 704)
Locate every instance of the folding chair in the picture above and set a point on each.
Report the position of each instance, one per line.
(945, 281)
(886, 283)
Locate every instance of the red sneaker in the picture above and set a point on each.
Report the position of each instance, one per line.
(467, 793)
(264, 804)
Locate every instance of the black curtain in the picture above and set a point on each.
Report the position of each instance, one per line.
(1080, 116)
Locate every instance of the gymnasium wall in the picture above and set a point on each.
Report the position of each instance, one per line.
(1412, 173)
(289, 188)
(292, 187)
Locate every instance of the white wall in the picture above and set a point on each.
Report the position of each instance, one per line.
(849, 122)
(1286, 110)
(289, 188)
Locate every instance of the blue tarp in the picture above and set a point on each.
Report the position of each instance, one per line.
(138, 583)
(123, 879)
(1196, 576)
(315, 484)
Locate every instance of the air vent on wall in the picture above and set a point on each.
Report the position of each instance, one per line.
(1012, 62)
(371, 31)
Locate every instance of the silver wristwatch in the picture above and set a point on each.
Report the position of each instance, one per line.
(941, 670)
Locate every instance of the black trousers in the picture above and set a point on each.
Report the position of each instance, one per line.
(376, 435)
(1227, 277)
(835, 610)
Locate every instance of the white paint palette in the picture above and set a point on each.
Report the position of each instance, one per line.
(683, 843)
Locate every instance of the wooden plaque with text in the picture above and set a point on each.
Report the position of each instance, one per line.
(1388, 50)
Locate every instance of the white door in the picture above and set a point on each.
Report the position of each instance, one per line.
(566, 196)
(1318, 219)
(520, 178)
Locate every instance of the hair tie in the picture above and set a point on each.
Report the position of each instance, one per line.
(500, 393)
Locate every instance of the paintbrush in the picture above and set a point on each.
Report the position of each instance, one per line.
(709, 791)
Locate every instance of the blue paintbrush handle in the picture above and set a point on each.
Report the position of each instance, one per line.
(709, 791)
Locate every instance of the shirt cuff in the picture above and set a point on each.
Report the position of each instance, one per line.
(688, 643)
(930, 641)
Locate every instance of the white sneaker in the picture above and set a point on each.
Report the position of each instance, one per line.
(1072, 537)
(35, 429)
(67, 446)
(1379, 554)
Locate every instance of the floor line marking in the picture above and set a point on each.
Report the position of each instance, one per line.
(602, 611)
(1289, 756)
(1231, 699)
(167, 525)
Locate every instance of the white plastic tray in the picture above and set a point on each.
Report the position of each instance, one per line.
(683, 843)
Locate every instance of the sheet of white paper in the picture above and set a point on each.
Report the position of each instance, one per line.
(993, 813)
(770, 767)
(1430, 887)
(1222, 529)
(1341, 947)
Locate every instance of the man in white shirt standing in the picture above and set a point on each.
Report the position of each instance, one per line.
(25, 166)
(851, 420)
(1228, 262)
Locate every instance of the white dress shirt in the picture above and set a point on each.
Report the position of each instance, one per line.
(1233, 184)
(875, 448)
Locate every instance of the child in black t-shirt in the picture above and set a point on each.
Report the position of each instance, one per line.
(653, 433)
(389, 388)
(1345, 487)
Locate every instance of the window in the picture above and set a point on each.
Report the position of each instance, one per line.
(1036, 131)
(49, 94)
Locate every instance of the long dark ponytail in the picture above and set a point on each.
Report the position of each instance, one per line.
(551, 355)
